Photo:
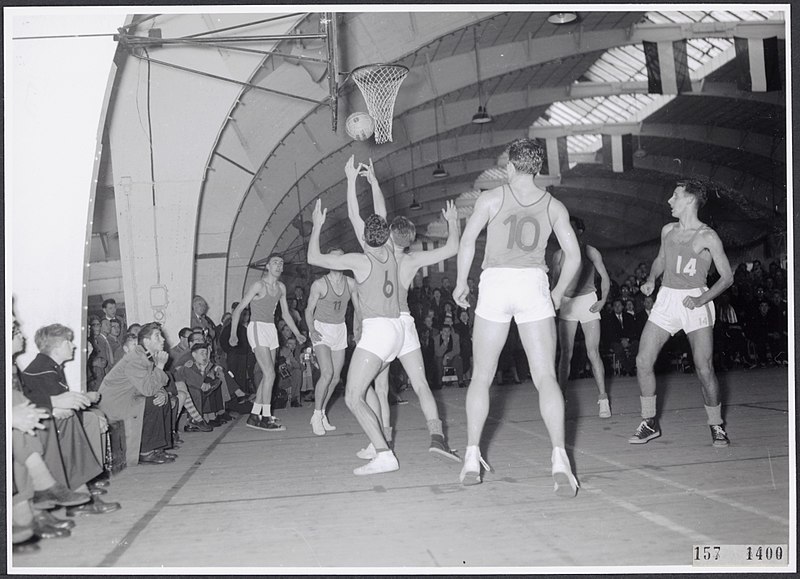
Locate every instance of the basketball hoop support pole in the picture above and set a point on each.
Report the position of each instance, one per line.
(331, 41)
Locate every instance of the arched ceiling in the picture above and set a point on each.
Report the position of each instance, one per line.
(276, 155)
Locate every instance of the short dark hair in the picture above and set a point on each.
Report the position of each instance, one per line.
(526, 155)
(376, 230)
(49, 337)
(184, 331)
(199, 346)
(271, 256)
(108, 301)
(696, 188)
(577, 223)
(403, 231)
(147, 331)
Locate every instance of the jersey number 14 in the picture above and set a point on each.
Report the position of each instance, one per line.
(690, 268)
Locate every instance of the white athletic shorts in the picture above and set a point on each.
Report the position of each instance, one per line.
(382, 337)
(522, 294)
(262, 334)
(410, 337)
(333, 335)
(670, 314)
(576, 309)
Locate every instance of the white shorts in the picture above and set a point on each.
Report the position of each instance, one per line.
(333, 335)
(670, 314)
(576, 309)
(382, 337)
(262, 334)
(522, 294)
(410, 337)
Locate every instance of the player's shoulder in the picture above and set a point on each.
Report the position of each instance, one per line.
(707, 233)
(669, 227)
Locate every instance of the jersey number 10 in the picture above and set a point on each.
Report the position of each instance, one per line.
(690, 268)
(516, 229)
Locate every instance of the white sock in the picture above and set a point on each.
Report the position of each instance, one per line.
(319, 413)
(256, 409)
(267, 410)
(39, 473)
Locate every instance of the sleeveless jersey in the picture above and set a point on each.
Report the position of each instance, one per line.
(378, 293)
(263, 310)
(517, 236)
(684, 268)
(583, 282)
(332, 307)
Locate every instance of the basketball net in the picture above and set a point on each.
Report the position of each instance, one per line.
(379, 84)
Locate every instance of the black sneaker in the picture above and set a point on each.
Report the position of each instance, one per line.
(254, 421)
(439, 448)
(718, 435)
(271, 423)
(648, 430)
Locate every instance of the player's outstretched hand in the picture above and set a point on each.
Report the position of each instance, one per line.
(450, 212)
(319, 214)
(350, 168)
(368, 171)
(460, 294)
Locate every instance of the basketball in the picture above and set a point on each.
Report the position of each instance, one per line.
(360, 126)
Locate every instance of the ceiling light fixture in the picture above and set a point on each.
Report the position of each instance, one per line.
(439, 172)
(414, 205)
(562, 17)
(482, 116)
(639, 153)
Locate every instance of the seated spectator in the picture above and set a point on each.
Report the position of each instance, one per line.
(203, 380)
(177, 351)
(730, 343)
(447, 350)
(619, 335)
(134, 329)
(427, 338)
(134, 391)
(72, 444)
(763, 330)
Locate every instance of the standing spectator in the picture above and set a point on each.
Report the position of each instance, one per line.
(464, 330)
(200, 318)
(427, 339)
(240, 358)
(134, 391)
(291, 371)
(110, 312)
(104, 341)
(300, 298)
(115, 339)
(729, 334)
(619, 334)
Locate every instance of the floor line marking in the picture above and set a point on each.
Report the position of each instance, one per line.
(119, 550)
(705, 494)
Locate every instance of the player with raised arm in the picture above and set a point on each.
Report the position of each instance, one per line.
(581, 306)
(519, 218)
(684, 302)
(325, 312)
(375, 273)
(263, 297)
(403, 233)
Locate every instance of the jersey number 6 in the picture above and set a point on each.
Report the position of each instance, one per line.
(388, 286)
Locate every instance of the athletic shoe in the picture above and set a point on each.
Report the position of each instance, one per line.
(367, 453)
(605, 408)
(253, 421)
(383, 462)
(193, 426)
(718, 435)
(440, 449)
(325, 424)
(565, 484)
(648, 430)
(471, 472)
(316, 424)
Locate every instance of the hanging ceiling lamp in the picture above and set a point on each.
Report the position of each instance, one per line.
(639, 153)
(562, 17)
(414, 205)
(439, 172)
(482, 116)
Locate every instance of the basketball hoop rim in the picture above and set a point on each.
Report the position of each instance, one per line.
(378, 65)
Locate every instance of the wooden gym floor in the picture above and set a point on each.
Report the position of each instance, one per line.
(238, 499)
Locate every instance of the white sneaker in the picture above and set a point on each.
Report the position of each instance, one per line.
(605, 408)
(566, 485)
(316, 424)
(367, 453)
(471, 471)
(325, 424)
(383, 462)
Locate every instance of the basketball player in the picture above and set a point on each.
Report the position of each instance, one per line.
(263, 297)
(403, 233)
(519, 218)
(684, 302)
(375, 273)
(580, 305)
(325, 311)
